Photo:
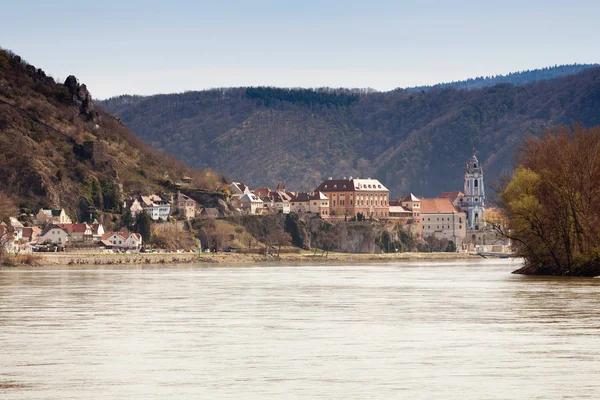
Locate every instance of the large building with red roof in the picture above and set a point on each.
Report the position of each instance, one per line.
(441, 219)
(349, 197)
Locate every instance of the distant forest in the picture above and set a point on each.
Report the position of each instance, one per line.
(413, 141)
(514, 78)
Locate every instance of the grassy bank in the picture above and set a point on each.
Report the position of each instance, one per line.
(305, 257)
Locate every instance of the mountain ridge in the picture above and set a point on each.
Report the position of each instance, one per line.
(411, 141)
(57, 150)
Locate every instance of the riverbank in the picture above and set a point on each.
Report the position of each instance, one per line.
(66, 259)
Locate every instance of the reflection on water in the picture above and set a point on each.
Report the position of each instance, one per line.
(414, 331)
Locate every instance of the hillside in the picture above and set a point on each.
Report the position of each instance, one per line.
(514, 78)
(412, 141)
(58, 150)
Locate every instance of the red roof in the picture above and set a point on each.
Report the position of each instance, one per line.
(77, 228)
(432, 206)
(451, 195)
(109, 234)
(262, 192)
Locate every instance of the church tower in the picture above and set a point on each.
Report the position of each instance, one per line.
(474, 199)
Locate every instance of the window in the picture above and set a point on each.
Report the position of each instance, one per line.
(476, 181)
(325, 186)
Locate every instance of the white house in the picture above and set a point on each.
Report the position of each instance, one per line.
(251, 203)
(54, 234)
(280, 201)
(133, 241)
(238, 190)
(122, 240)
(316, 203)
(155, 207)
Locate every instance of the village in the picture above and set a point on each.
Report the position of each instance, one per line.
(457, 221)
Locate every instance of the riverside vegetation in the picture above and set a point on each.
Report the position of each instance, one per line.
(553, 203)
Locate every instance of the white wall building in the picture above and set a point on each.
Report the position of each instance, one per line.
(442, 220)
(251, 203)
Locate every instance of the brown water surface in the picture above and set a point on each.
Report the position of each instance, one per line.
(461, 330)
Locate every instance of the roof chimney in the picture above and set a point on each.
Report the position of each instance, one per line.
(344, 178)
(350, 178)
(330, 178)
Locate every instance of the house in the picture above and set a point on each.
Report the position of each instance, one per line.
(348, 197)
(210, 212)
(300, 203)
(17, 228)
(133, 206)
(316, 203)
(134, 241)
(238, 190)
(78, 233)
(274, 201)
(251, 204)
(30, 234)
(444, 221)
(280, 201)
(186, 206)
(186, 180)
(54, 234)
(122, 240)
(11, 237)
(156, 207)
(97, 231)
(50, 216)
(262, 192)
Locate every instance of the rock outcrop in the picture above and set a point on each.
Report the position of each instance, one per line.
(81, 97)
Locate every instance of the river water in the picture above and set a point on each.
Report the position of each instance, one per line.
(410, 331)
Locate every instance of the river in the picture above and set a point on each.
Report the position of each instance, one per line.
(435, 330)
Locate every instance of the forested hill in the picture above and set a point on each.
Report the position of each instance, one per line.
(412, 141)
(58, 150)
(514, 78)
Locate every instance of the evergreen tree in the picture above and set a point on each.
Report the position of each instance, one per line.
(142, 226)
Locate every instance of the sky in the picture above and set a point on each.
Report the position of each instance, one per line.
(149, 47)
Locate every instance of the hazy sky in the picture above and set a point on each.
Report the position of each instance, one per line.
(147, 47)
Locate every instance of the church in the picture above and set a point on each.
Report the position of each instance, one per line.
(473, 199)
(480, 233)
